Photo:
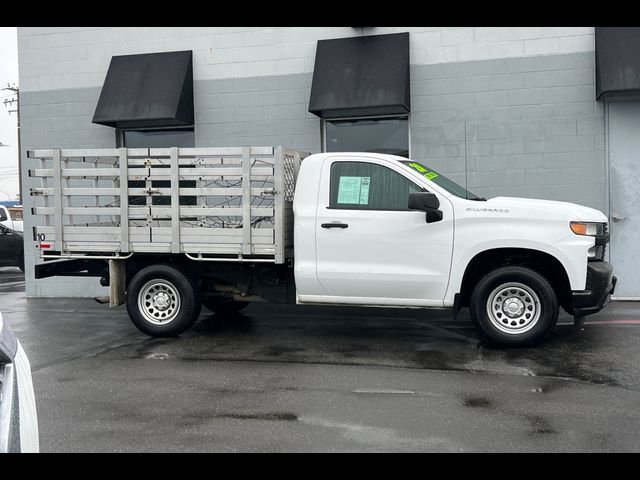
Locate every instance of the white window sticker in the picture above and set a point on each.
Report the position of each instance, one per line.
(354, 190)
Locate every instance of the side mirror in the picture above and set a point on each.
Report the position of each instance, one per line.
(426, 202)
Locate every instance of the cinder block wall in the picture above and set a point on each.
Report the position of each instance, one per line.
(524, 97)
(533, 126)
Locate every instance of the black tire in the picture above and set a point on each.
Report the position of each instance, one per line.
(224, 307)
(512, 293)
(176, 296)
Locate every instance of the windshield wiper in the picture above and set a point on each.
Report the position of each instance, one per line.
(478, 199)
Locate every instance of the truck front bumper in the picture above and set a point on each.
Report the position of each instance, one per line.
(601, 284)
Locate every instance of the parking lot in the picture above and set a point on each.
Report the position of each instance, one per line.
(287, 378)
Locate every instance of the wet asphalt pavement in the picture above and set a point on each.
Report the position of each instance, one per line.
(293, 378)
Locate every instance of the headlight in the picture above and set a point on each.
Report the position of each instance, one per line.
(584, 228)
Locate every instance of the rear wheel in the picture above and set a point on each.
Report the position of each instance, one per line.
(514, 306)
(224, 307)
(162, 301)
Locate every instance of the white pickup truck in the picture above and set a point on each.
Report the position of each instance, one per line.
(239, 225)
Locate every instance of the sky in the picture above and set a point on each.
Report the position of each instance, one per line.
(8, 124)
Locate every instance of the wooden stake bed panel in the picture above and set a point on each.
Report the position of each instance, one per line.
(199, 201)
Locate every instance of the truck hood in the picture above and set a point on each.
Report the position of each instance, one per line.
(573, 210)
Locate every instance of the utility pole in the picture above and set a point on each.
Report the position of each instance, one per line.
(7, 103)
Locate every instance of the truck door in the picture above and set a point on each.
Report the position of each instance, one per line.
(370, 248)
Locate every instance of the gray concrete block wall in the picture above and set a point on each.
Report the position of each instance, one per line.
(256, 111)
(526, 136)
(56, 119)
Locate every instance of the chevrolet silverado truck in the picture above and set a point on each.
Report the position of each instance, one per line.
(171, 229)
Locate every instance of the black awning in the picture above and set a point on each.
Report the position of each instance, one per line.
(147, 90)
(617, 60)
(361, 76)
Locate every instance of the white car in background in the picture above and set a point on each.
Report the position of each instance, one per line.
(18, 417)
(11, 217)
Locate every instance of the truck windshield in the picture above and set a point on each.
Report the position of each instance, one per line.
(442, 181)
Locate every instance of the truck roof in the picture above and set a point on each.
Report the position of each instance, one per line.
(382, 156)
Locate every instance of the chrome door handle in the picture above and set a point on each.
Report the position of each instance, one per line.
(617, 218)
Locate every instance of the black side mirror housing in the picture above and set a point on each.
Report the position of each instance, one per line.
(426, 202)
(434, 216)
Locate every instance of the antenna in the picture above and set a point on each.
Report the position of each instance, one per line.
(466, 191)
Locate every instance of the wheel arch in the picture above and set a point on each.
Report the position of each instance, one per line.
(139, 262)
(544, 263)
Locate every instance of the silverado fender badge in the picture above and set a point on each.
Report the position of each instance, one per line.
(480, 209)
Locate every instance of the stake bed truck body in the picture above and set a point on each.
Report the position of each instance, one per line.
(172, 229)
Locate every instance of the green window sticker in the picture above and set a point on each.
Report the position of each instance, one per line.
(425, 173)
(418, 167)
(354, 190)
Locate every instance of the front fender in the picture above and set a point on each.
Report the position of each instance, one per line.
(571, 252)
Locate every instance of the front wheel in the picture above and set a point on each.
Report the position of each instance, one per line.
(514, 306)
(162, 301)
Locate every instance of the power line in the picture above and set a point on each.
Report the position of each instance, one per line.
(13, 88)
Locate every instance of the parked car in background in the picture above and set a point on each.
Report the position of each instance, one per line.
(11, 248)
(11, 217)
(18, 416)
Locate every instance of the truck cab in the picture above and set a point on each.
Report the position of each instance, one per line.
(374, 229)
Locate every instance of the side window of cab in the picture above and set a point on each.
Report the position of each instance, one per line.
(368, 186)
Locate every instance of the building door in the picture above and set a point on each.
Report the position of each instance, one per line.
(624, 188)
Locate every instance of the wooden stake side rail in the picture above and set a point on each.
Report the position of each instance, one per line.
(197, 201)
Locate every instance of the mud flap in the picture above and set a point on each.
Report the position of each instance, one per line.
(117, 282)
(456, 306)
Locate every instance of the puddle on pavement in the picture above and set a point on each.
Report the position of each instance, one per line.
(280, 350)
(157, 356)
(275, 416)
(477, 402)
(539, 425)
(558, 358)
(567, 355)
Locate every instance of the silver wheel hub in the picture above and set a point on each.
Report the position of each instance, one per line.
(159, 301)
(513, 308)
